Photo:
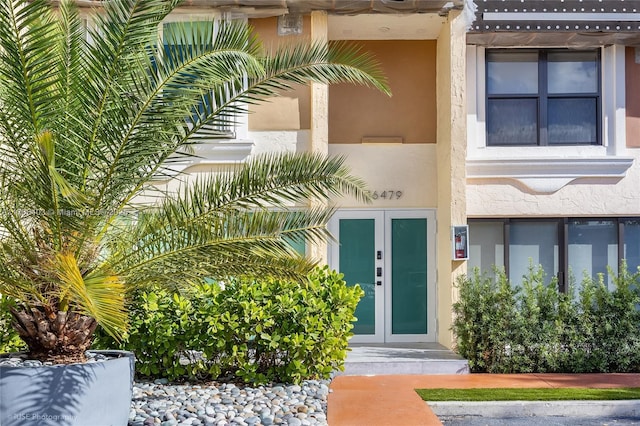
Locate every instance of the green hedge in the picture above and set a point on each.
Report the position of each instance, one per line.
(9, 339)
(258, 330)
(502, 328)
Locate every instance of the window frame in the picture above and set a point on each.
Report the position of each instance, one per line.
(231, 132)
(563, 240)
(543, 96)
(547, 169)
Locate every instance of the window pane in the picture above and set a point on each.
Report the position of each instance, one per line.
(178, 38)
(572, 72)
(512, 122)
(572, 121)
(593, 244)
(486, 246)
(532, 243)
(189, 27)
(632, 245)
(512, 73)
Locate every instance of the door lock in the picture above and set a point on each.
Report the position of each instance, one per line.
(378, 282)
(378, 272)
(379, 255)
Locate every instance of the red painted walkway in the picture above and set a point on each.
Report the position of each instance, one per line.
(391, 400)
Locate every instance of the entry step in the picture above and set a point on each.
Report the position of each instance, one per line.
(419, 358)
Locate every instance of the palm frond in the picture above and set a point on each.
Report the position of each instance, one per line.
(72, 75)
(98, 294)
(229, 219)
(179, 246)
(120, 39)
(337, 62)
(170, 90)
(26, 33)
(89, 116)
(275, 180)
(299, 63)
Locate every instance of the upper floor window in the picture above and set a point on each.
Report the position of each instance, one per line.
(177, 46)
(548, 97)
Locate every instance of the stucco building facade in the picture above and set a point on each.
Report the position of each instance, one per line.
(519, 119)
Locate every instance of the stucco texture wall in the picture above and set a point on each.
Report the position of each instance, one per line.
(291, 110)
(582, 197)
(409, 168)
(409, 116)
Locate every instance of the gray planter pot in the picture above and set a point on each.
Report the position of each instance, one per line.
(91, 394)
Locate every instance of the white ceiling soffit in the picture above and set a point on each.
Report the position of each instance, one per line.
(385, 27)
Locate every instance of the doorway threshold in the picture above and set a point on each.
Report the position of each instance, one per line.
(366, 359)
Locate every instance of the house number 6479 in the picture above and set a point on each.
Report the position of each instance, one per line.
(389, 194)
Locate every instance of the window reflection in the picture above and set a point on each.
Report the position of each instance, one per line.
(572, 72)
(593, 244)
(533, 243)
(512, 72)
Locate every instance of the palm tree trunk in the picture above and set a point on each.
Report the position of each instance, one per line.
(54, 336)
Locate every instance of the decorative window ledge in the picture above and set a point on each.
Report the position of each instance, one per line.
(212, 152)
(548, 175)
(221, 152)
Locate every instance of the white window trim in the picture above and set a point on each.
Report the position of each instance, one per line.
(549, 168)
(215, 151)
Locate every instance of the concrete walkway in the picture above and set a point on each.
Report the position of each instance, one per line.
(391, 400)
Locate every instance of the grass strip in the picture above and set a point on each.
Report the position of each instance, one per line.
(528, 394)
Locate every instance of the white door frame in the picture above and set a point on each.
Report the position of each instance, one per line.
(334, 262)
(430, 216)
(383, 293)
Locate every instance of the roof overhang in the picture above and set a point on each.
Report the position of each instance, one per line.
(571, 23)
(347, 7)
(270, 8)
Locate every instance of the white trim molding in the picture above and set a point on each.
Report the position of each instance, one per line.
(209, 153)
(548, 175)
(221, 152)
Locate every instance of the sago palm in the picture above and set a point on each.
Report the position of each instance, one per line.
(89, 117)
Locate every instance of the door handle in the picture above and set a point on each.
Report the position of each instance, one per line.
(378, 272)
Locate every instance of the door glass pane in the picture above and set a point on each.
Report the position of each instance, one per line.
(572, 121)
(357, 263)
(409, 276)
(512, 73)
(593, 244)
(512, 122)
(632, 245)
(572, 72)
(532, 243)
(486, 246)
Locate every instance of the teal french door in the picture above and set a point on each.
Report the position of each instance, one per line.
(391, 255)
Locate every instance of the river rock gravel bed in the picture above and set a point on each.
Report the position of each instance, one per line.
(217, 403)
(161, 403)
